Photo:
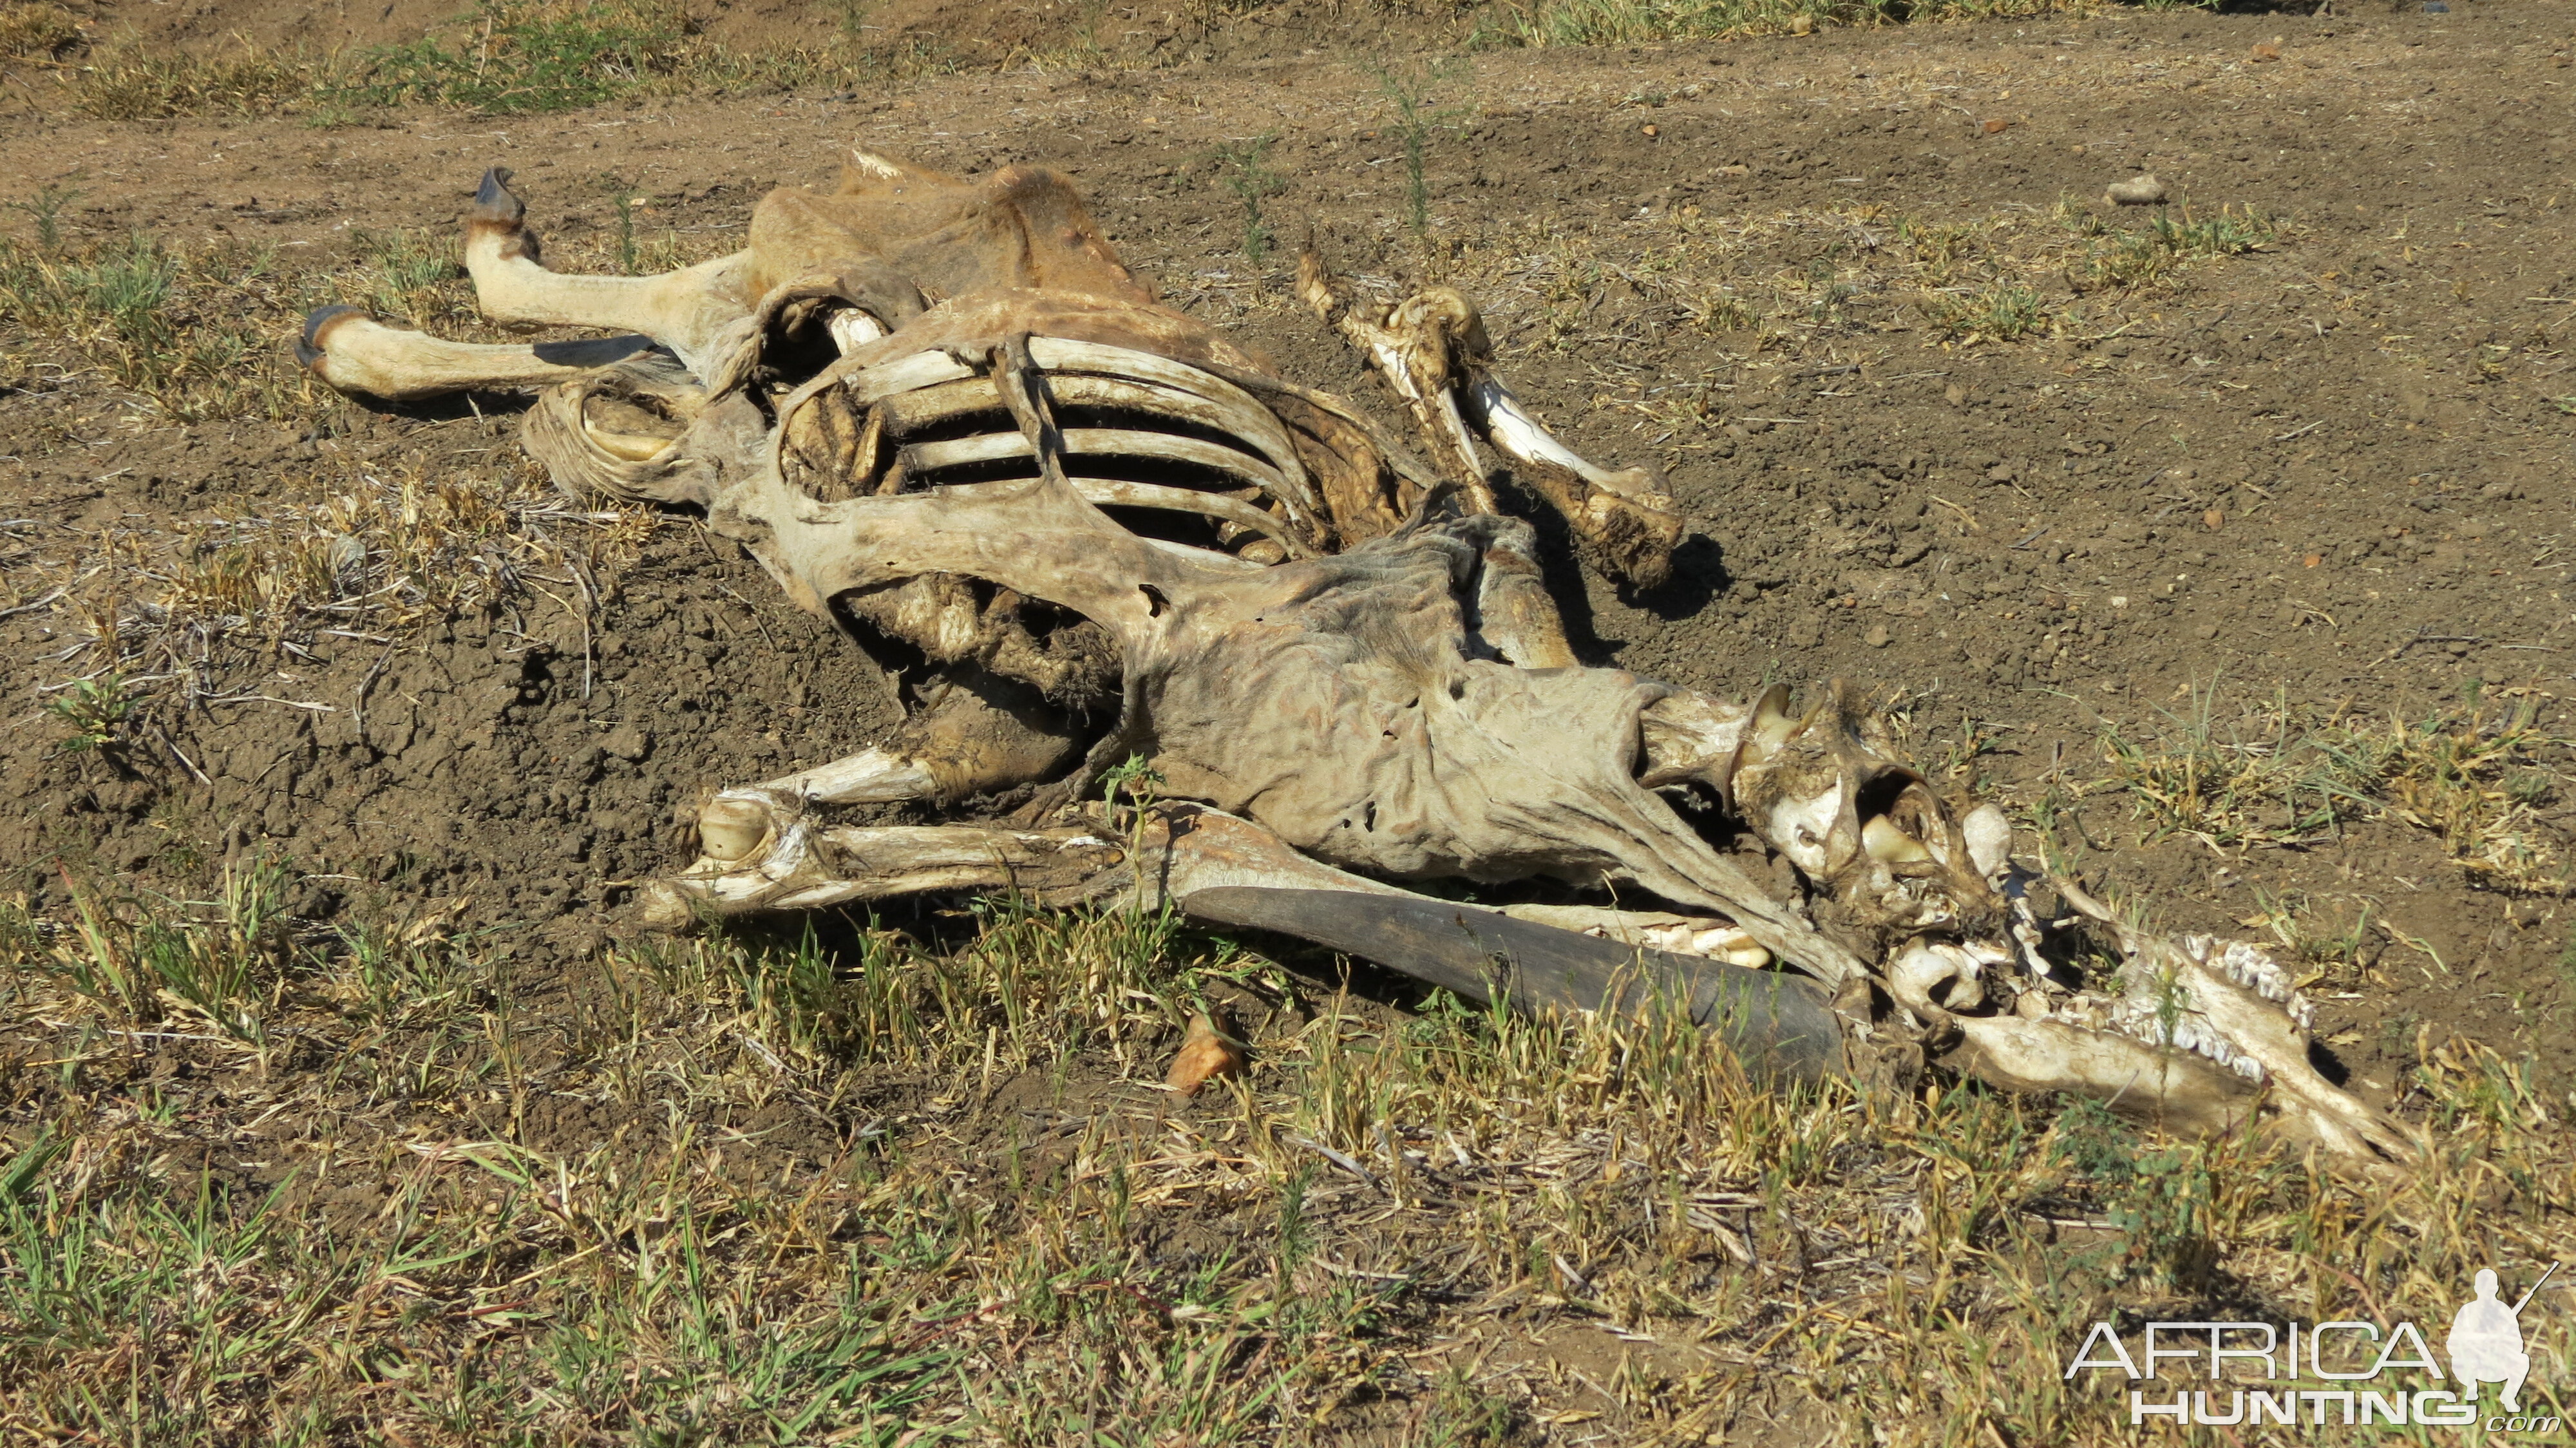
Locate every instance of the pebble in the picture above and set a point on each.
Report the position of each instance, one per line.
(1877, 637)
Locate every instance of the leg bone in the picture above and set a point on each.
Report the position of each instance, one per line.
(358, 354)
(975, 733)
(687, 311)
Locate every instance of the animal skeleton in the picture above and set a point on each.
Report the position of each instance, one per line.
(943, 414)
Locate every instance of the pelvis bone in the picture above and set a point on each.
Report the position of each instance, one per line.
(1090, 530)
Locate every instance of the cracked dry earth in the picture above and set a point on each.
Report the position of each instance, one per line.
(2329, 475)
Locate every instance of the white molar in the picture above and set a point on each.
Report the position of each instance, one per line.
(2183, 1029)
(1653, 929)
(1717, 942)
(1889, 844)
(2253, 968)
(852, 328)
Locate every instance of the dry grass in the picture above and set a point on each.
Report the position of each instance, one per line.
(278, 1185)
(1796, 279)
(2479, 777)
(1849, 289)
(193, 332)
(131, 333)
(1638, 22)
(37, 32)
(162, 617)
(504, 57)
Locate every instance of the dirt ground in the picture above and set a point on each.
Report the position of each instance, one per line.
(2326, 478)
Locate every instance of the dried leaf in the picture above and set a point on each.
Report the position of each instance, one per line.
(1208, 1050)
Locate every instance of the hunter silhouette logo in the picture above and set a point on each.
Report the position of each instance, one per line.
(2486, 1340)
(2344, 1374)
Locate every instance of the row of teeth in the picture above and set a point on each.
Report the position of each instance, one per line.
(2187, 1031)
(2255, 969)
(2142, 1010)
(2141, 1013)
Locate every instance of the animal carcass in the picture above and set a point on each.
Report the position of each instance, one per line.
(1093, 532)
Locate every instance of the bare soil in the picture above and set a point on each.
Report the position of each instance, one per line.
(2334, 473)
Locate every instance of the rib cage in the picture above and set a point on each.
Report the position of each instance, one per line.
(1173, 451)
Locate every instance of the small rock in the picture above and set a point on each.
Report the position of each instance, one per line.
(1877, 637)
(1997, 127)
(627, 742)
(2136, 191)
(2213, 519)
(2000, 473)
(1956, 395)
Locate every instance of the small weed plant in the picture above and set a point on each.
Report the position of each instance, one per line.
(1410, 92)
(1243, 171)
(93, 713)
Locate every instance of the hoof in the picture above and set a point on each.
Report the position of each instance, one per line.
(495, 202)
(310, 347)
(499, 214)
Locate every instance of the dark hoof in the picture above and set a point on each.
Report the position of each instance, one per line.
(309, 347)
(495, 202)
